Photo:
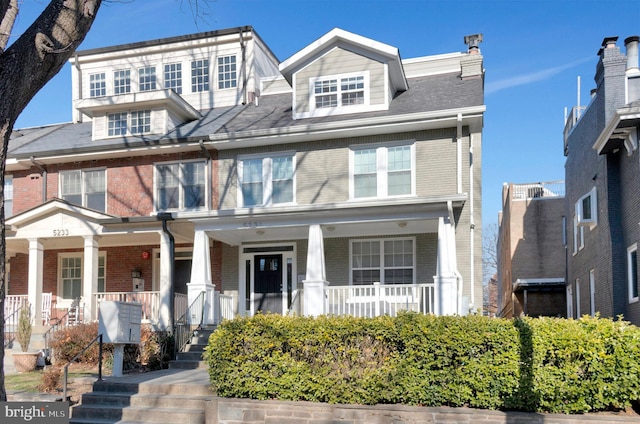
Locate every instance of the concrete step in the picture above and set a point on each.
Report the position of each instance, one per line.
(145, 400)
(148, 414)
(107, 387)
(187, 365)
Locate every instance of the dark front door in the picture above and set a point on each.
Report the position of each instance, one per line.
(267, 283)
(182, 275)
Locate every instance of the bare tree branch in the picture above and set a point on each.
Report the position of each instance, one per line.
(9, 12)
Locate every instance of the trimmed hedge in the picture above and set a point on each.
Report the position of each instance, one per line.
(542, 364)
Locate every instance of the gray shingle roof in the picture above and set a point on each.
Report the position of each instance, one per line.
(425, 94)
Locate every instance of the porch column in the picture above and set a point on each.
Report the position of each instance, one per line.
(164, 317)
(36, 265)
(90, 277)
(315, 282)
(447, 275)
(201, 276)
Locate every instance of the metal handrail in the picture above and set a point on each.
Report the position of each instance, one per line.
(182, 336)
(66, 367)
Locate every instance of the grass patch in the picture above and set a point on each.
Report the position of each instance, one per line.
(29, 381)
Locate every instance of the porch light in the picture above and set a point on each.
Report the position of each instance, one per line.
(136, 273)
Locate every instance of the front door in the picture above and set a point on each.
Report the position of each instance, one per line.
(267, 283)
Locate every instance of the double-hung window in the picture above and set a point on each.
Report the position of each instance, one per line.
(122, 82)
(136, 122)
(140, 122)
(227, 76)
(632, 272)
(265, 181)
(70, 267)
(173, 77)
(200, 75)
(147, 78)
(382, 171)
(97, 85)
(586, 209)
(339, 91)
(181, 185)
(388, 261)
(117, 124)
(86, 188)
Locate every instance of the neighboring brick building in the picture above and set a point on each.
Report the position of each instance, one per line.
(201, 164)
(531, 251)
(602, 174)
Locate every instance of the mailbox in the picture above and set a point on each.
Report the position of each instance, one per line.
(119, 322)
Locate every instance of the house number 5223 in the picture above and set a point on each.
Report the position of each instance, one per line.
(60, 233)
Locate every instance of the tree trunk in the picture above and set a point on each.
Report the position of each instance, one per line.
(25, 67)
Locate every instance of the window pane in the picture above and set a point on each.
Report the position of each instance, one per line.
(168, 186)
(586, 208)
(71, 273)
(399, 170)
(282, 179)
(173, 77)
(200, 75)
(252, 182)
(227, 72)
(323, 90)
(122, 82)
(194, 184)
(147, 78)
(117, 124)
(633, 270)
(95, 190)
(101, 274)
(97, 85)
(140, 122)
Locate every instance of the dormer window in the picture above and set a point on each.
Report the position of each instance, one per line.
(339, 92)
(136, 122)
(147, 78)
(97, 85)
(199, 75)
(227, 72)
(173, 77)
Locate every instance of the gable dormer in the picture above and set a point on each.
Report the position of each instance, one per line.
(343, 73)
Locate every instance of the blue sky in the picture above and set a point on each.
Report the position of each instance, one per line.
(533, 50)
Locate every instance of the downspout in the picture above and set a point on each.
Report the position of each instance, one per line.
(43, 169)
(77, 64)
(164, 217)
(472, 226)
(459, 153)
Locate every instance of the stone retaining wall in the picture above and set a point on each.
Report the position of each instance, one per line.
(243, 411)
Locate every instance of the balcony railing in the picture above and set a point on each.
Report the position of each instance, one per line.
(377, 299)
(538, 190)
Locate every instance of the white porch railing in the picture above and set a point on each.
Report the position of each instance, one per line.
(223, 307)
(180, 305)
(150, 301)
(12, 306)
(377, 299)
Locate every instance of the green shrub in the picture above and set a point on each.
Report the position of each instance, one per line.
(545, 365)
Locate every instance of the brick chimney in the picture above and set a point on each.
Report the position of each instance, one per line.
(610, 77)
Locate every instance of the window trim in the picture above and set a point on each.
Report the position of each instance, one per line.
(178, 81)
(99, 85)
(592, 291)
(59, 286)
(339, 109)
(234, 80)
(125, 87)
(382, 268)
(631, 279)
(592, 220)
(578, 236)
(128, 123)
(83, 192)
(382, 173)
(206, 75)
(8, 195)
(267, 178)
(181, 208)
(153, 78)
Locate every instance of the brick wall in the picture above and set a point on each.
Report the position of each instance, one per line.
(237, 411)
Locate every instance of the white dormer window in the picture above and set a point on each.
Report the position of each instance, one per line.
(173, 77)
(336, 94)
(97, 85)
(227, 72)
(122, 82)
(147, 78)
(199, 75)
(136, 122)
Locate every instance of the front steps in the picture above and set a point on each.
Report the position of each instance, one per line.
(163, 402)
(176, 395)
(191, 357)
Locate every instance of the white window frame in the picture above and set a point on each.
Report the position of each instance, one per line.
(134, 127)
(97, 85)
(173, 76)
(203, 72)
(83, 189)
(578, 236)
(267, 178)
(147, 78)
(223, 72)
(339, 108)
(382, 266)
(121, 82)
(102, 255)
(181, 194)
(382, 173)
(577, 298)
(587, 218)
(129, 128)
(8, 196)
(632, 273)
